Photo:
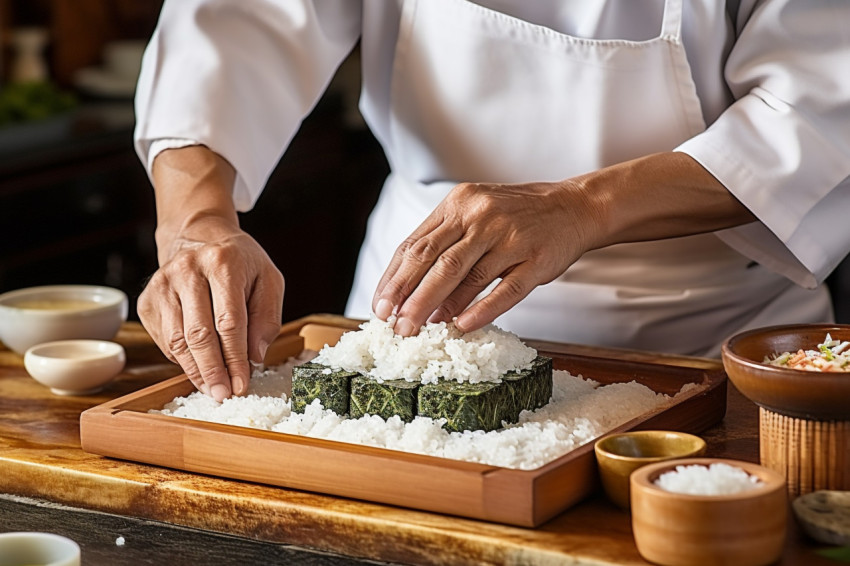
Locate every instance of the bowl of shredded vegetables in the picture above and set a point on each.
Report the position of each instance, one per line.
(800, 371)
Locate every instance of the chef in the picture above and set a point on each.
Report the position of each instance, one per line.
(654, 174)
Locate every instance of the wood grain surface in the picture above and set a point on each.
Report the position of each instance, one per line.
(40, 457)
(153, 543)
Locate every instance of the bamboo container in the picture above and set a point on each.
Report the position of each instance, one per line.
(804, 416)
(810, 454)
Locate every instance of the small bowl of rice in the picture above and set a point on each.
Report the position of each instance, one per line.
(697, 511)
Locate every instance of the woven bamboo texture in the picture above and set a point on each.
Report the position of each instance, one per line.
(811, 454)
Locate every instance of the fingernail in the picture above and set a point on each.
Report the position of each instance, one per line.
(220, 392)
(205, 389)
(435, 316)
(238, 385)
(263, 347)
(384, 309)
(403, 327)
(464, 321)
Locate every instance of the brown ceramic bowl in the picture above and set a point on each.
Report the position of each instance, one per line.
(618, 455)
(676, 529)
(791, 392)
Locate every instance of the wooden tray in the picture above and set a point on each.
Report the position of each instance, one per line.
(122, 428)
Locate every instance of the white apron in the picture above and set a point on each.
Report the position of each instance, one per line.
(478, 95)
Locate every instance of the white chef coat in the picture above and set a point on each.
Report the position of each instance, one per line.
(769, 79)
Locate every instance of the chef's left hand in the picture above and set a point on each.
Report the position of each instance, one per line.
(528, 234)
(525, 234)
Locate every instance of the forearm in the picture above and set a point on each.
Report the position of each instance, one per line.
(659, 196)
(192, 185)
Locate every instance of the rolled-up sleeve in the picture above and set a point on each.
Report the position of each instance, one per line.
(239, 76)
(783, 147)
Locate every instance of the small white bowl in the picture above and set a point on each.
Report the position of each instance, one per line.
(60, 312)
(38, 548)
(75, 367)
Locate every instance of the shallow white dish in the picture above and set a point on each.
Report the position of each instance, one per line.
(38, 548)
(36, 315)
(75, 367)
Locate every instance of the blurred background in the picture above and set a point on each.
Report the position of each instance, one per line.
(76, 205)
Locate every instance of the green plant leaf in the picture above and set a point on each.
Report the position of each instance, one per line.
(838, 553)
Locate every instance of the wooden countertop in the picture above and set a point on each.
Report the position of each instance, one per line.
(40, 457)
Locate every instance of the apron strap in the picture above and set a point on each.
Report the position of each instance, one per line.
(671, 27)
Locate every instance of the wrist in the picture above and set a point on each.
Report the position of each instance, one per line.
(588, 209)
(659, 196)
(198, 225)
(193, 188)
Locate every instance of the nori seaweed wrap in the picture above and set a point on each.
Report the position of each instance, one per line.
(392, 397)
(467, 406)
(314, 381)
(532, 387)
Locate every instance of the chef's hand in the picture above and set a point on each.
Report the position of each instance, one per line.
(525, 234)
(529, 234)
(215, 301)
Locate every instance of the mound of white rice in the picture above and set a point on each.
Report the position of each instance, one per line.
(580, 411)
(716, 479)
(439, 350)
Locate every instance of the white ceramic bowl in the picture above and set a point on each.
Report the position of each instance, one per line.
(75, 367)
(38, 548)
(60, 312)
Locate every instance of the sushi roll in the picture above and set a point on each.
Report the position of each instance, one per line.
(312, 381)
(385, 399)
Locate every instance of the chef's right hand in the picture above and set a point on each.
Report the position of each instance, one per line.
(215, 302)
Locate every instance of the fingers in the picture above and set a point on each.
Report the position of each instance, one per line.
(162, 316)
(448, 273)
(479, 277)
(514, 287)
(265, 306)
(229, 343)
(413, 258)
(525, 234)
(209, 307)
(203, 330)
(201, 338)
